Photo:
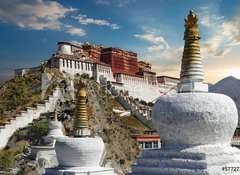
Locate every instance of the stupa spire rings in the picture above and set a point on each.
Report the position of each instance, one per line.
(192, 75)
(81, 123)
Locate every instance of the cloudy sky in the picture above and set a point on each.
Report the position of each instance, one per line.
(30, 30)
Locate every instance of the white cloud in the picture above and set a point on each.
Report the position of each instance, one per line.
(208, 18)
(37, 15)
(158, 41)
(204, 8)
(74, 30)
(83, 19)
(103, 2)
(119, 3)
(224, 34)
(206, 22)
(77, 43)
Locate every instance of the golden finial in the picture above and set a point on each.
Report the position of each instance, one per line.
(191, 26)
(81, 124)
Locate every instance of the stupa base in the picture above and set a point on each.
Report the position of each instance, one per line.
(192, 87)
(80, 171)
(220, 159)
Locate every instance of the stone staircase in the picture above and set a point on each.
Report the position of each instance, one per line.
(26, 117)
(143, 116)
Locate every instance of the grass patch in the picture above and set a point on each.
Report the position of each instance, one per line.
(133, 123)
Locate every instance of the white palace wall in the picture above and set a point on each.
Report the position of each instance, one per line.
(73, 67)
(26, 117)
(102, 73)
(138, 87)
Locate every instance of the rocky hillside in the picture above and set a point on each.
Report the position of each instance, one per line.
(115, 131)
(229, 86)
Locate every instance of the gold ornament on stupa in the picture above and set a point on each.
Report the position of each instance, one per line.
(81, 123)
(191, 70)
(55, 115)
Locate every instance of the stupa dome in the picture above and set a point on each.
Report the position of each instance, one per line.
(195, 118)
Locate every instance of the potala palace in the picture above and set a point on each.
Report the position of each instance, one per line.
(113, 66)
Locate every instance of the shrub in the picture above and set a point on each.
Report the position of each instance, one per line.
(85, 76)
(7, 159)
(143, 102)
(37, 131)
(150, 104)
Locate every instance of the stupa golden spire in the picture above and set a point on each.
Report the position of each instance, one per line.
(191, 61)
(191, 75)
(81, 123)
(55, 115)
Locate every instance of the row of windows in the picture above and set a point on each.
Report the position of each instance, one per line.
(80, 65)
(133, 80)
(104, 71)
(149, 145)
(77, 65)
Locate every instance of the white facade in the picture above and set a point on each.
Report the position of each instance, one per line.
(75, 67)
(102, 73)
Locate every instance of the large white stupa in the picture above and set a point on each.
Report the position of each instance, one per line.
(82, 154)
(195, 126)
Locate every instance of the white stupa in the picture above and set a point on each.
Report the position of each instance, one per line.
(55, 130)
(195, 126)
(46, 151)
(82, 154)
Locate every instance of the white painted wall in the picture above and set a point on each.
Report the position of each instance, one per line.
(65, 49)
(73, 67)
(26, 117)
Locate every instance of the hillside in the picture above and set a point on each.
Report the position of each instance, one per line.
(115, 131)
(229, 86)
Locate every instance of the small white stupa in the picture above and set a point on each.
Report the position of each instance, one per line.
(82, 154)
(46, 151)
(195, 126)
(55, 130)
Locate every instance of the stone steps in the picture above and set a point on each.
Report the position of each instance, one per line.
(156, 153)
(174, 163)
(176, 160)
(146, 170)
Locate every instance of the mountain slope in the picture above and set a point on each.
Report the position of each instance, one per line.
(229, 86)
(115, 130)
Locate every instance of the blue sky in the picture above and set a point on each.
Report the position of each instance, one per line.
(30, 30)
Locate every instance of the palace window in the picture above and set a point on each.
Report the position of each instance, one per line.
(63, 63)
(155, 144)
(148, 145)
